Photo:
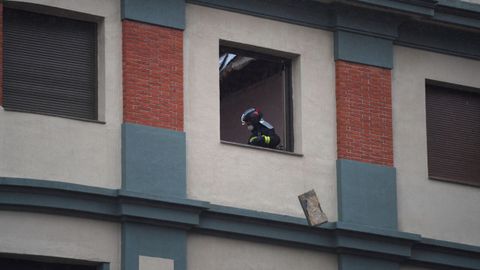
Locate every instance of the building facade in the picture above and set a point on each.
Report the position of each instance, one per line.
(121, 142)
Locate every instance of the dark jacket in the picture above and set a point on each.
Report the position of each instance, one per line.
(264, 136)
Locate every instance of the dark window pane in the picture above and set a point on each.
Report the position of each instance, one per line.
(20, 264)
(49, 64)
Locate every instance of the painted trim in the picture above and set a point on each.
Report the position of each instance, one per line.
(153, 160)
(445, 17)
(310, 14)
(363, 49)
(367, 194)
(353, 261)
(460, 5)
(362, 229)
(159, 213)
(169, 13)
(366, 22)
(445, 255)
(425, 8)
(152, 241)
(383, 19)
(100, 203)
(439, 39)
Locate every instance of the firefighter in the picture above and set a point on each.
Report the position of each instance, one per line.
(263, 133)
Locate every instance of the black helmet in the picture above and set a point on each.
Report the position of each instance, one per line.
(251, 116)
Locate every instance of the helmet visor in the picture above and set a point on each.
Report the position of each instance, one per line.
(244, 119)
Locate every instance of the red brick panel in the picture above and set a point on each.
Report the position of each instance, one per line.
(152, 75)
(364, 113)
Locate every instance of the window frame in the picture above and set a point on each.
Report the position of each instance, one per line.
(454, 87)
(96, 21)
(273, 56)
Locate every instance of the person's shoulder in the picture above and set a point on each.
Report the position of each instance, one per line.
(266, 124)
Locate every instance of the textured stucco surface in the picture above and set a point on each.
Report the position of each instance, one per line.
(212, 253)
(53, 148)
(58, 236)
(251, 178)
(435, 209)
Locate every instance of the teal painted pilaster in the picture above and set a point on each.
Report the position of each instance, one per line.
(365, 36)
(169, 13)
(363, 49)
(153, 241)
(367, 194)
(353, 262)
(153, 161)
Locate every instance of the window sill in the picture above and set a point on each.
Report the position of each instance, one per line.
(262, 148)
(57, 115)
(454, 181)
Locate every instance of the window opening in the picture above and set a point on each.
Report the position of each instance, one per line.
(23, 264)
(254, 80)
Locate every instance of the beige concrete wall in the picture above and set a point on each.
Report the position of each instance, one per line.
(46, 147)
(250, 178)
(432, 208)
(215, 253)
(62, 237)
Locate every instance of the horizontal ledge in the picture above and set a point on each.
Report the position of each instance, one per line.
(56, 185)
(200, 216)
(124, 194)
(226, 210)
(262, 148)
(378, 231)
(57, 115)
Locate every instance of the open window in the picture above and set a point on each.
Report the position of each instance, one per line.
(253, 79)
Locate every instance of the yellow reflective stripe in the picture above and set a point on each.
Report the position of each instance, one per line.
(252, 139)
(267, 139)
